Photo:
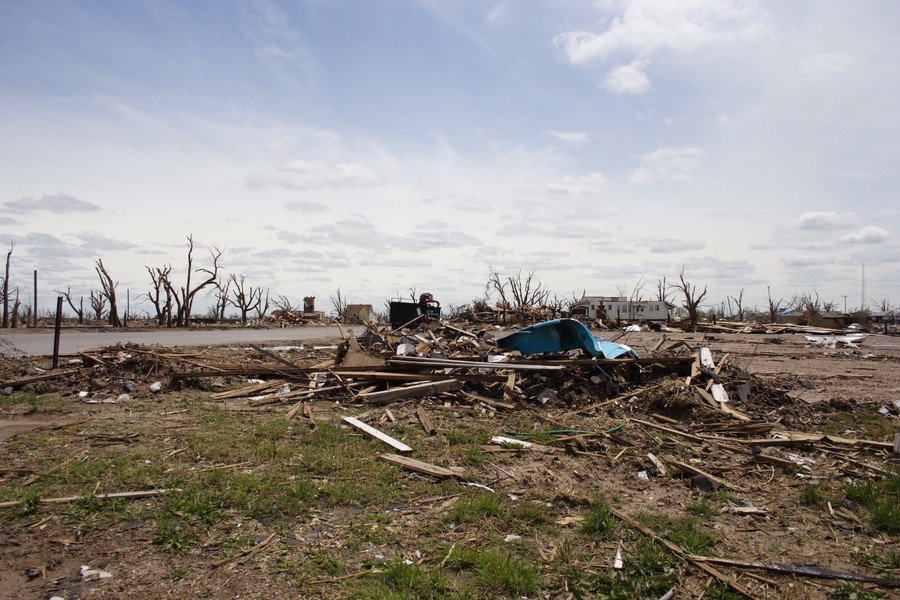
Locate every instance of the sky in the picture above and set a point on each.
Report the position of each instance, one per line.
(387, 146)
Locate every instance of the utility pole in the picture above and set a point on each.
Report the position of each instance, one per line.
(845, 304)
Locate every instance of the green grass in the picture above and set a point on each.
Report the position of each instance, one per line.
(475, 509)
(684, 531)
(864, 422)
(813, 496)
(881, 498)
(497, 572)
(600, 521)
(649, 571)
(23, 402)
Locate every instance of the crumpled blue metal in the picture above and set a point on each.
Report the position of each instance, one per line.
(560, 335)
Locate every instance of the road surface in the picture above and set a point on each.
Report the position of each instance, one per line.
(40, 343)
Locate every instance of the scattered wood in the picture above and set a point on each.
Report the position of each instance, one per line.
(804, 570)
(412, 391)
(16, 383)
(394, 443)
(423, 467)
(68, 499)
(425, 420)
(688, 468)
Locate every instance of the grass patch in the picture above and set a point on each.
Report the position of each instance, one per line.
(881, 498)
(813, 496)
(649, 572)
(497, 572)
(24, 403)
(684, 531)
(475, 508)
(864, 422)
(600, 520)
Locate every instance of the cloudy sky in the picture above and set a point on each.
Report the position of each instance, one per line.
(380, 146)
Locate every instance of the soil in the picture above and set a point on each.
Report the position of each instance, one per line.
(774, 379)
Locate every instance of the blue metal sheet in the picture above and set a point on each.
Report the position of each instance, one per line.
(561, 335)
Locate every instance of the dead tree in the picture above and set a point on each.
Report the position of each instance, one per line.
(222, 300)
(527, 292)
(98, 304)
(738, 305)
(109, 291)
(245, 297)
(498, 285)
(339, 303)
(262, 308)
(79, 312)
(775, 306)
(692, 297)
(187, 292)
(6, 287)
(161, 294)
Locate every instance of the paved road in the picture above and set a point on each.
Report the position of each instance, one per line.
(41, 342)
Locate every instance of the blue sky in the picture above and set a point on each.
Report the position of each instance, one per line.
(383, 146)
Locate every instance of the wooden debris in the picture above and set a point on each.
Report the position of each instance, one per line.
(394, 443)
(670, 460)
(68, 499)
(805, 570)
(37, 378)
(412, 391)
(425, 420)
(424, 467)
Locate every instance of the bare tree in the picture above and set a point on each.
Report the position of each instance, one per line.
(161, 293)
(498, 285)
(98, 304)
(245, 297)
(222, 300)
(109, 291)
(692, 297)
(262, 307)
(15, 311)
(527, 292)
(775, 306)
(6, 287)
(339, 303)
(882, 305)
(739, 305)
(187, 292)
(79, 312)
(283, 304)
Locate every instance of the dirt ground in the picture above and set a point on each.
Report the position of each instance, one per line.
(764, 511)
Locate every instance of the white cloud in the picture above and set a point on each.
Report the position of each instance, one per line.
(645, 26)
(628, 79)
(576, 138)
(827, 62)
(670, 245)
(307, 207)
(57, 203)
(866, 235)
(667, 164)
(823, 221)
(802, 262)
(589, 184)
(312, 175)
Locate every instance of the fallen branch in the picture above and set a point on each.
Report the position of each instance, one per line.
(67, 499)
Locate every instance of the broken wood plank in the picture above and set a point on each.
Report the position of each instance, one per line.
(806, 570)
(256, 388)
(671, 460)
(394, 443)
(68, 499)
(412, 391)
(489, 401)
(425, 420)
(423, 467)
(509, 390)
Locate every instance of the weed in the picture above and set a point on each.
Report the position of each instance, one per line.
(863, 492)
(498, 572)
(411, 581)
(31, 501)
(882, 498)
(649, 572)
(813, 496)
(889, 560)
(475, 509)
(720, 591)
(177, 573)
(25, 403)
(702, 509)
(684, 531)
(850, 591)
(600, 521)
(531, 513)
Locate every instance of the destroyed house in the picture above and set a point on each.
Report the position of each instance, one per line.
(622, 309)
(358, 313)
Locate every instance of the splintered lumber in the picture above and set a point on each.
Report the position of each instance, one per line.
(423, 467)
(723, 406)
(670, 460)
(793, 438)
(394, 443)
(412, 391)
(470, 364)
(489, 401)
(806, 570)
(68, 499)
(248, 391)
(425, 420)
